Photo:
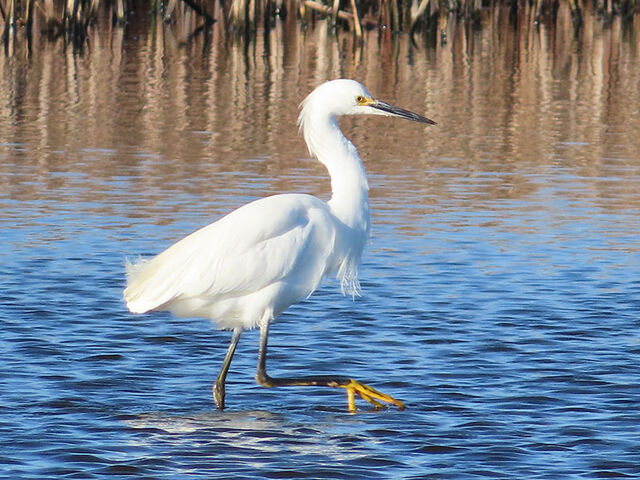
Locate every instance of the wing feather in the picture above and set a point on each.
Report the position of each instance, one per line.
(251, 248)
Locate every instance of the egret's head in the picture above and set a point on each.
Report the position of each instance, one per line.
(348, 97)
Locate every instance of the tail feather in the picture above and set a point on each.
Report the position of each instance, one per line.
(141, 295)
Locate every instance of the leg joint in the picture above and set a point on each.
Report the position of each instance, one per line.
(265, 380)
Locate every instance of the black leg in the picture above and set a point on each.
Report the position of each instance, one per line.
(218, 387)
(353, 387)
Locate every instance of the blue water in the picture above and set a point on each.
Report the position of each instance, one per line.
(509, 328)
(501, 286)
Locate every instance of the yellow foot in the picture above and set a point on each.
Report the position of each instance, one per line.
(369, 394)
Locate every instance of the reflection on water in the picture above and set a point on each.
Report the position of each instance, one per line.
(501, 290)
(514, 99)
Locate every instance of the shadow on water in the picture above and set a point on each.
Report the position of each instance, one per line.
(272, 443)
(231, 424)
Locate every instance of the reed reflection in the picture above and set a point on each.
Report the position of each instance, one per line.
(193, 114)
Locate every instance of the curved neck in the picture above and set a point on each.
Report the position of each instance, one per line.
(350, 190)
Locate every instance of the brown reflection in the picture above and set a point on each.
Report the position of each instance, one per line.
(170, 112)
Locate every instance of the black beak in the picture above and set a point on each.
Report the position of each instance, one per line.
(400, 112)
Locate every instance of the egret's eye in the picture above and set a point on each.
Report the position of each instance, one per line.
(360, 99)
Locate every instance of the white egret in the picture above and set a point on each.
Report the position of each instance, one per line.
(245, 269)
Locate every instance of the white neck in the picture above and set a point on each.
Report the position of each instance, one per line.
(350, 190)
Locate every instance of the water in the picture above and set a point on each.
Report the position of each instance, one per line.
(501, 289)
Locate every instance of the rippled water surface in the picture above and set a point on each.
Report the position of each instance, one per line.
(501, 286)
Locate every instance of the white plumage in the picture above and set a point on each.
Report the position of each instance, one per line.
(245, 269)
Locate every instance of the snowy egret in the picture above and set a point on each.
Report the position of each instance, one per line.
(245, 269)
